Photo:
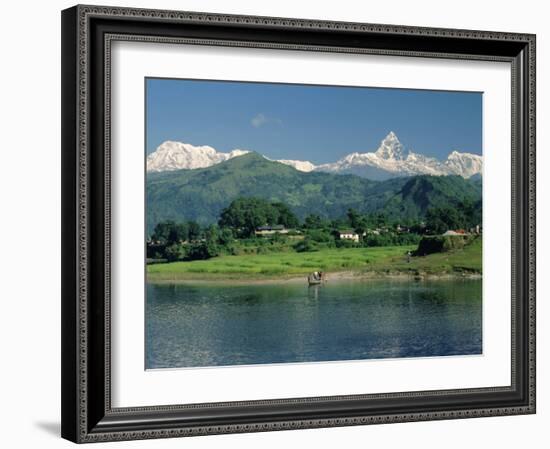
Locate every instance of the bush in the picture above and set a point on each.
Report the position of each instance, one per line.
(318, 235)
(225, 236)
(306, 245)
(175, 252)
(155, 251)
(391, 239)
(407, 239)
(442, 244)
(343, 243)
(202, 251)
(377, 240)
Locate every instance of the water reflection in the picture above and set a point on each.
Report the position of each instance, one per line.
(213, 325)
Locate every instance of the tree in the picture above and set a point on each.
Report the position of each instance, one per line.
(193, 231)
(319, 235)
(353, 217)
(338, 223)
(174, 252)
(225, 236)
(313, 221)
(360, 227)
(358, 222)
(441, 219)
(212, 233)
(471, 211)
(285, 216)
(203, 250)
(168, 232)
(161, 231)
(381, 219)
(178, 233)
(253, 219)
(244, 215)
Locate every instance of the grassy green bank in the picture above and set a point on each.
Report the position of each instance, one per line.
(391, 260)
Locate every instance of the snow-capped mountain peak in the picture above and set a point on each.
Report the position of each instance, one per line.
(391, 148)
(391, 159)
(304, 166)
(464, 164)
(172, 155)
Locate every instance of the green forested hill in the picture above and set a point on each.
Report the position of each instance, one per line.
(420, 193)
(201, 194)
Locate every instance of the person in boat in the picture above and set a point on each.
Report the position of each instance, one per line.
(316, 277)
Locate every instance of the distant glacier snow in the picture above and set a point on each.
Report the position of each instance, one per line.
(391, 159)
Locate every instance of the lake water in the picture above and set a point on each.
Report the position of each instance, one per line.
(216, 325)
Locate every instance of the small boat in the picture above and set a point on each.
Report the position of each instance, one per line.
(315, 279)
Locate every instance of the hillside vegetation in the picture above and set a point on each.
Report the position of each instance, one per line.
(201, 194)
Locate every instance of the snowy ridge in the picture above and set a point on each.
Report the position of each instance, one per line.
(391, 159)
(304, 166)
(464, 164)
(177, 155)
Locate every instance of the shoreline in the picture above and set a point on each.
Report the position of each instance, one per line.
(338, 276)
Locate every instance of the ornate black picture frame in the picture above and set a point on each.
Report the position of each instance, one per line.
(87, 413)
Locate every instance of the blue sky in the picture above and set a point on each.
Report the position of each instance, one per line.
(316, 123)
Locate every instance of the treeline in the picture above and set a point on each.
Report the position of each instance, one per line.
(173, 241)
(235, 232)
(245, 215)
(466, 215)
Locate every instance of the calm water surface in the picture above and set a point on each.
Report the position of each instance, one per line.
(214, 325)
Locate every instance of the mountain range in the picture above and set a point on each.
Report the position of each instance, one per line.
(177, 155)
(390, 160)
(201, 194)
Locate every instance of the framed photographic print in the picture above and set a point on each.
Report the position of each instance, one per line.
(275, 224)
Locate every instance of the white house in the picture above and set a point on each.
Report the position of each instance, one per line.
(270, 230)
(349, 235)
